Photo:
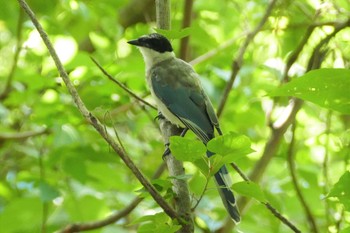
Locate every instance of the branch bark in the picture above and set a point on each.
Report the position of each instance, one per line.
(238, 61)
(186, 23)
(291, 165)
(95, 122)
(121, 85)
(87, 226)
(180, 187)
(7, 88)
(22, 135)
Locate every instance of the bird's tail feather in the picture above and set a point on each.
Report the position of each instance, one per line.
(223, 181)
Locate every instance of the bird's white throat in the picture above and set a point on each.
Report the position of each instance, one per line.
(152, 57)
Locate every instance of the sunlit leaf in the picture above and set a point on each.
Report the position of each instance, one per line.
(249, 189)
(186, 149)
(47, 192)
(328, 88)
(346, 230)
(231, 146)
(341, 190)
(18, 215)
(159, 222)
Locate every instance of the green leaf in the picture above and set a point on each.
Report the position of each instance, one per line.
(341, 190)
(231, 146)
(75, 167)
(21, 215)
(346, 230)
(159, 222)
(327, 88)
(249, 189)
(47, 192)
(186, 149)
(161, 184)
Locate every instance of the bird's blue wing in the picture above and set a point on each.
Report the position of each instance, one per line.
(184, 99)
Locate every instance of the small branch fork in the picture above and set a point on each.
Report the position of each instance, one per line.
(94, 121)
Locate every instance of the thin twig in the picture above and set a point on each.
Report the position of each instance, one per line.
(283, 219)
(23, 135)
(239, 171)
(87, 226)
(95, 122)
(211, 53)
(121, 85)
(78, 227)
(45, 205)
(325, 167)
(202, 194)
(267, 204)
(7, 88)
(281, 125)
(291, 165)
(238, 61)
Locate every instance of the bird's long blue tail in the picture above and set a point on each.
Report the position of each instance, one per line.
(223, 182)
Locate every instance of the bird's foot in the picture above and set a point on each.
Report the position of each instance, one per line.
(167, 150)
(159, 116)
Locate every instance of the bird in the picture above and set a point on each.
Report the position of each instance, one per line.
(180, 98)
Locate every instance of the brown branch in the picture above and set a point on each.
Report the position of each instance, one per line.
(180, 187)
(238, 61)
(186, 23)
(211, 53)
(275, 212)
(78, 227)
(7, 88)
(296, 52)
(281, 125)
(121, 85)
(283, 219)
(95, 122)
(291, 165)
(22, 135)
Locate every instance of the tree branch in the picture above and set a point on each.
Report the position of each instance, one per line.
(7, 88)
(122, 85)
(186, 23)
(23, 135)
(180, 187)
(291, 165)
(280, 126)
(78, 227)
(277, 214)
(238, 61)
(94, 121)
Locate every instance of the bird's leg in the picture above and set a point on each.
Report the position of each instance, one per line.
(159, 116)
(167, 149)
(183, 133)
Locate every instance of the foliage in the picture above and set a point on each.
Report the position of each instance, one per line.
(56, 170)
(328, 88)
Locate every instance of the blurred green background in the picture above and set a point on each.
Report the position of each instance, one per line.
(56, 170)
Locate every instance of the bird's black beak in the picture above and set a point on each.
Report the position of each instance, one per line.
(135, 42)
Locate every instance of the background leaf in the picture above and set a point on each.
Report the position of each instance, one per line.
(328, 88)
(230, 146)
(249, 189)
(341, 190)
(187, 149)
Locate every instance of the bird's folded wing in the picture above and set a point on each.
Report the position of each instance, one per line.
(185, 103)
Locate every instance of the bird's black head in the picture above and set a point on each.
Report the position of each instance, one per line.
(153, 41)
